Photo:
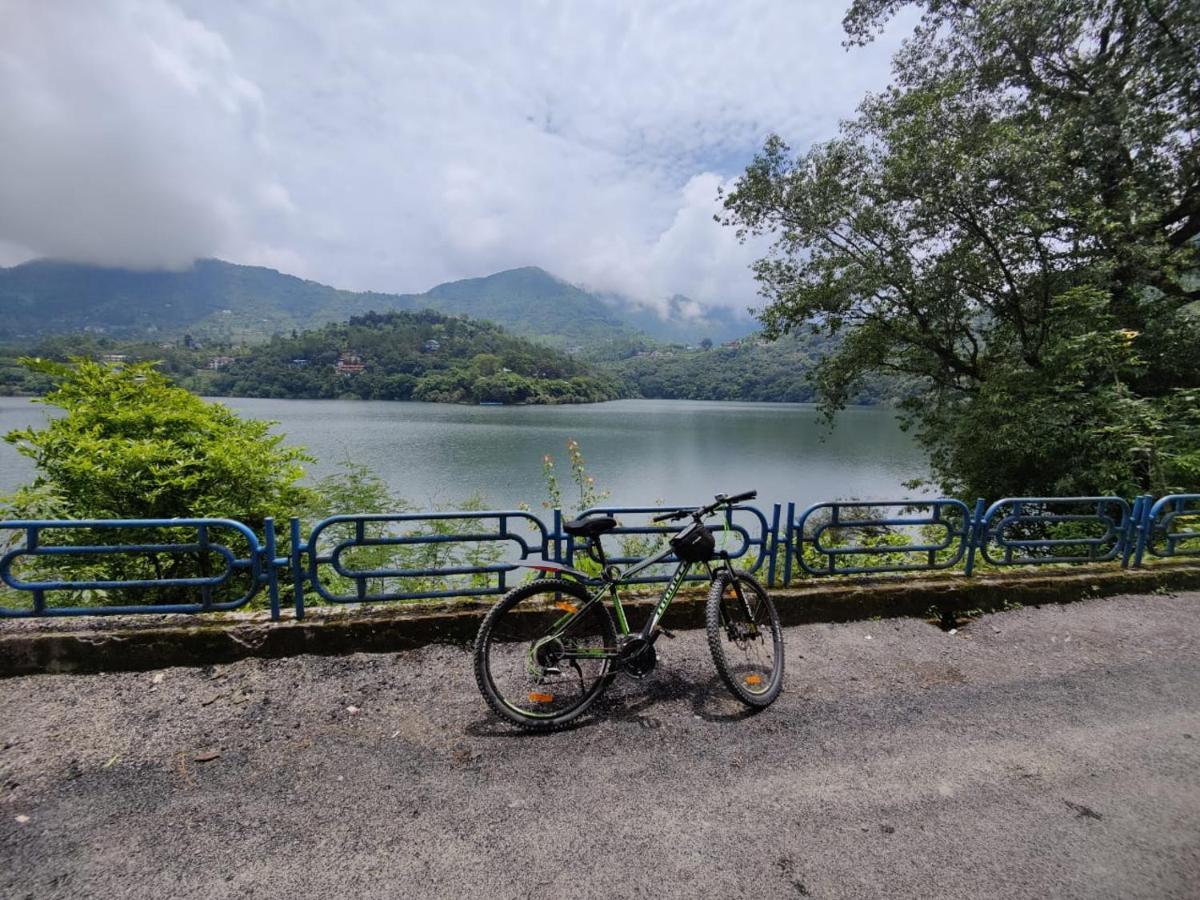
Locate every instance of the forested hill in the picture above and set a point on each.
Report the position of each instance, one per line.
(533, 303)
(213, 300)
(750, 369)
(222, 303)
(408, 356)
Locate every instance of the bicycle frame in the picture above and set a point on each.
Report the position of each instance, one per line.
(611, 585)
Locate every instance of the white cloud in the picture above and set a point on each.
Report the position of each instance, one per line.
(381, 145)
(128, 136)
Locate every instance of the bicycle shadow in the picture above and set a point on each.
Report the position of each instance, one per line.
(629, 701)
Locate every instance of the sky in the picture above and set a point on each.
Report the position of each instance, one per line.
(390, 145)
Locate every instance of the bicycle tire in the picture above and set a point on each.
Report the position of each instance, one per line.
(725, 619)
(527, 611)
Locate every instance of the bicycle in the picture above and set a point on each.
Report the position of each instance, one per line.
(546, 652)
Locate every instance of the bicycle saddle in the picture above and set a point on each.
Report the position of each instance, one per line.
(590, 527)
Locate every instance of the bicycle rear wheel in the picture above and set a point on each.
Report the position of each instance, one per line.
(745, 638)
(544, 654)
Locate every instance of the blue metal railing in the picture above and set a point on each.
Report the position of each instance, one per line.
(1170, 527)
(1022, 531)
(942, 527)
(397, 557)
(34, 543)
(762, 538)
(339, 558)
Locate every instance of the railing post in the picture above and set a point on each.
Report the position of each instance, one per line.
(557, 536)
(788, 532)
(1145, 522)
(39, 596)
(774, 545)
(975, 534)
(202, 541)
(295, 552)
(568, 556)
(267, 557)
(1129, 531)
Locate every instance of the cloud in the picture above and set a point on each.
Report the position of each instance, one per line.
(129, 137)
(391, 146)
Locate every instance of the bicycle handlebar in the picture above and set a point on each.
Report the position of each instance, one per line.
(719, 501)
(741, 498)
(667, 517)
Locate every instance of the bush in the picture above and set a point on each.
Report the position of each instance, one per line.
(132, 445)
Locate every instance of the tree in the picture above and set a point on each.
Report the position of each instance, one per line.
(1014, 222)
(132, 445)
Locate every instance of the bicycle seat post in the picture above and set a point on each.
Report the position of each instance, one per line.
(599, 548)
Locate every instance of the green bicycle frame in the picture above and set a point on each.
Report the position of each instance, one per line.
(611, 585)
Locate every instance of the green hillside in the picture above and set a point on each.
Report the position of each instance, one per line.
(220, 302)
(392, 345)
(533, 303)
(216, 301)
(408, 356)
(749, 369)
(212, 299)
(245, 311)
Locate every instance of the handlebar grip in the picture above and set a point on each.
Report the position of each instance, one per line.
(667, 517)
(741, 498)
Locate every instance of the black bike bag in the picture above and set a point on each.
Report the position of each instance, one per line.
(694, 544)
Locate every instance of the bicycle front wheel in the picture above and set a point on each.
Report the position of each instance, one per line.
(544, 653)
(745, 638)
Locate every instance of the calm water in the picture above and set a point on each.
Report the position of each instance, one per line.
(642, 450)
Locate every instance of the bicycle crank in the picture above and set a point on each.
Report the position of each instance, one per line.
(637, 657)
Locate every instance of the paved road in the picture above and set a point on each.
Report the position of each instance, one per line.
(1043, 752)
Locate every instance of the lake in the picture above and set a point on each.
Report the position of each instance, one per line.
(643, 451)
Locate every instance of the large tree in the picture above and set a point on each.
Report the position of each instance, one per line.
(1014, 221)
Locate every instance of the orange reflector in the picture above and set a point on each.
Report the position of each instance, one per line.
(566, 607)
(753, 679)
(541, 698)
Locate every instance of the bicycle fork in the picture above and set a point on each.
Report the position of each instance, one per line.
(731, 627)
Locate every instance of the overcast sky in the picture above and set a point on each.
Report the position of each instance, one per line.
(389, 145)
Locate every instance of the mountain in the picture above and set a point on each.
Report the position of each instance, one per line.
(678, 323)
(533, 303)
(213, 299)
(220, 302)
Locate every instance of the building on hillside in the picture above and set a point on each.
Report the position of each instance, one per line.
(219, 362)
(299, 363)
(349, 363)
(432, 346)
(114, 359)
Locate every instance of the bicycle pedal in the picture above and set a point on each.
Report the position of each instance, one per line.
(666, 633)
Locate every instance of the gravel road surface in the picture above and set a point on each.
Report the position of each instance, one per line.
(1049, 752)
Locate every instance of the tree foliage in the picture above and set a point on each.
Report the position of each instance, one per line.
(131, 445)
(411, 356)
(750, 370)
(1014, 222)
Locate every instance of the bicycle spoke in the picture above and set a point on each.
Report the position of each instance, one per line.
(745, 639)
(546, 653)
